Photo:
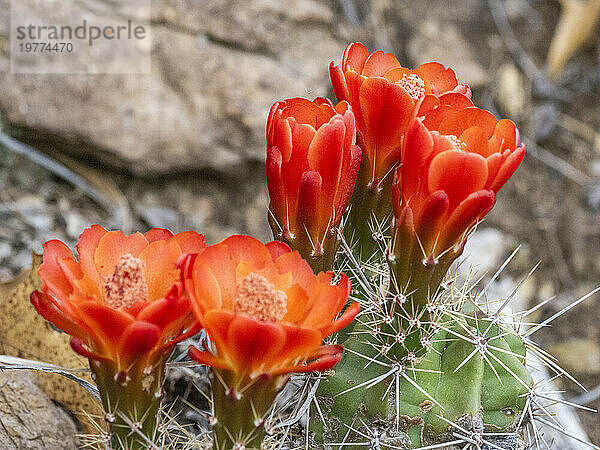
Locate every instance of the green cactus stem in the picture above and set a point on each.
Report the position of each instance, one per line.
(469, 375)
(478, 380)
(370, 213)
(240, 407)
(131, 400)
(354, 390)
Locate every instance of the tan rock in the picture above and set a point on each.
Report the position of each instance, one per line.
(217, 66)
(28, 419)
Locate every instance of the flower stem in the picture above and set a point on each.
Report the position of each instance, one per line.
(131, 401)
(240, 407)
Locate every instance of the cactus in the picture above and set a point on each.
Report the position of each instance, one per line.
(423, 369)
(479, 383)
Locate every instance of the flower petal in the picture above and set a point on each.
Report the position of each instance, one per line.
(448, 167)
(48, 310)
(508, 168)
(328, 300)
(86, 248)
(160, 272)
(78, 347)
(190, 242)
(440, 79)
(217, 288)
(325, 358)
(311, 205)
(164, 311)
(379, 63)
(338, 81)
(136, 341)
(158, 234)
(431, 219)
(465, 216)
(279, 202)
(355, 56)
(112, 246)
(300, 342)
(387, 109)
(343, 321)
(456, 122)
(206, 358)
(255, 345)
(278, 248)
(107, 323)
(50, 272)
(326, 156)
(246, 248)
(417, 149)
(301, 271)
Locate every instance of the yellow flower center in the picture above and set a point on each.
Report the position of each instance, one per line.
(126, 286)
(456, 142)
(258, 298)
(412, 84)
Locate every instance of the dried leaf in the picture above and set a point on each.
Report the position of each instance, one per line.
(25, 334)
(576, 25)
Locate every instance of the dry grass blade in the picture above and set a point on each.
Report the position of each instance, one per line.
(575, 27)
(13, 363)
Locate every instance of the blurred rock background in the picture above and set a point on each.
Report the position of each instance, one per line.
(183, 147)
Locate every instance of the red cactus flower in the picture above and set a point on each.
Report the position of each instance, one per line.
(122, 304)
(453, 164)
(385, 97)
(312, 163)
(266, 314)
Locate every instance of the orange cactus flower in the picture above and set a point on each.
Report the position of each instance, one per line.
(114, 301)
(264, 308)
(312, 164)
(453, 164)
(266, 314)
(385, 98)
(122, 304)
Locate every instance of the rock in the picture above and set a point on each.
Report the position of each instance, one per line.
(486, 249)
(444, 43)
(593, 197)
(5, 250)
(28, 419)
(159, 217)
(217, 66)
